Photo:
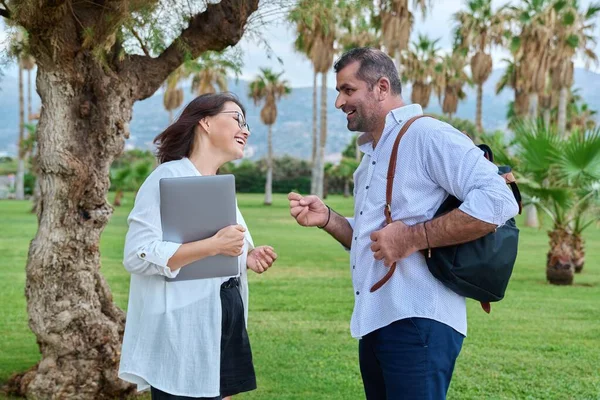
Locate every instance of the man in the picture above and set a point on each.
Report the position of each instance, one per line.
(411, 330)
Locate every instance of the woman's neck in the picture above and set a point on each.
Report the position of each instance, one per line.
(206, 160)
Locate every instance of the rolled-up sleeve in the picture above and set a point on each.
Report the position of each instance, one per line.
(145, 252)
(456, 164)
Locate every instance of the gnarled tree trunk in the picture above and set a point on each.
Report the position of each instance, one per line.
(70, 307)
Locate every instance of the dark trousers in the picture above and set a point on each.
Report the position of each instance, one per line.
(409, 359)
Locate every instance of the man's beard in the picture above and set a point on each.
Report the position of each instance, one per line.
(360, 123)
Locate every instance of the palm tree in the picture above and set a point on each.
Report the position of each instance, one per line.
(575, 32)
(580, 115)
(511, 79)
(303, 44)
(450, 79)
(561, 178)
(268, 86)
(479, 28)
(396, 22)
(420, 62)
(209, 72)
(173, 96)
(536, 19)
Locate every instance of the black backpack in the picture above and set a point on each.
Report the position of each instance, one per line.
(479, 269)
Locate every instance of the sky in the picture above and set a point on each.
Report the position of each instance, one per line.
(297, 69)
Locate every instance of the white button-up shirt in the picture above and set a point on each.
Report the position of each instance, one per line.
(172, 336)
(434, 159)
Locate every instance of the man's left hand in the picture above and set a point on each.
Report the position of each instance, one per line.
(261, 259)
(393, 242)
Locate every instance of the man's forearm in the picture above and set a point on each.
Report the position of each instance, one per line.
(456, 227)
(340, 229)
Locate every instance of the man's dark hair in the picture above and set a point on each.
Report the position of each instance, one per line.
(374, 64)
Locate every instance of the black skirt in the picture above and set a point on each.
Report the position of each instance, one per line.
(237, 369)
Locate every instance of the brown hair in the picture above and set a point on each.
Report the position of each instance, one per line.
(177, 141)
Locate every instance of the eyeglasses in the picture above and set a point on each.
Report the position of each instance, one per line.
(240, 119)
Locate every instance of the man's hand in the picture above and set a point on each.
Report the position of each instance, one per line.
(261, 259)
(309, 210)
(394, 242)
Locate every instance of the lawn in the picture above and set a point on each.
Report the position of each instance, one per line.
(540, 342)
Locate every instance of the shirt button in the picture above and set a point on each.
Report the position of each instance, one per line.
(357, 292)
(355, 237)
(361, 213)
(367, 188)
(354, 266)
(143, 255)
(374, 163)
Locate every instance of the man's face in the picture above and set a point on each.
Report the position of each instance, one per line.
(356, 100)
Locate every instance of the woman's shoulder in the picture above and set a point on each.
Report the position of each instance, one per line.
(170, 169)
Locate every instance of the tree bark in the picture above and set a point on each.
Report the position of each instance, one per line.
(78, 328)
(533, 106)
(563, 99)
(269, 182)
(478, 112)
(20, 178)
(547, 118)
(323, 138)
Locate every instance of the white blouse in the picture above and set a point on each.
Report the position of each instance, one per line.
(172, 335)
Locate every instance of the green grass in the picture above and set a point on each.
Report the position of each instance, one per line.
(541, 342)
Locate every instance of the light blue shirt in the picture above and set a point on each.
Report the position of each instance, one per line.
(434, 159)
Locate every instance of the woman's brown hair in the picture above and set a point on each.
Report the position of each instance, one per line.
(177, 141)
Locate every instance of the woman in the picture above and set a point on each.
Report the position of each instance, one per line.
(188, 339)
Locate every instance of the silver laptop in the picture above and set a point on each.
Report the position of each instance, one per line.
(194, 208)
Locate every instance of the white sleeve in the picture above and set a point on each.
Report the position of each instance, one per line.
(145, 252)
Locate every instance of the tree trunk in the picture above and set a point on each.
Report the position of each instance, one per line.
(315, 140)
(269, 182)
(559, 268)
(29, 110)
(531, 216)
(547, 118)
(170, 117)
(323, 138)
(118, 198)
(20, 184)
(346, 187)
(71, 312)
(578, 252)
(532, 112)
(563, 99)
(478, 112)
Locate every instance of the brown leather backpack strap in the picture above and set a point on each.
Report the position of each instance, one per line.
(388, 192)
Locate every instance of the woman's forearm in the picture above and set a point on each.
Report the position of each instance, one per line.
(190, 252)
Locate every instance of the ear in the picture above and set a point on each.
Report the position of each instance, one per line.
(384, 88)
(205, 124)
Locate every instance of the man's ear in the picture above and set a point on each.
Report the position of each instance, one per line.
(383, 84)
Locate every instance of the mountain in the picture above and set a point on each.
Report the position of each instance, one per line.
(293, 129)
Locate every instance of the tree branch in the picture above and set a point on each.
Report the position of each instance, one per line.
(141, 42)
(219, 26)
(6, 11)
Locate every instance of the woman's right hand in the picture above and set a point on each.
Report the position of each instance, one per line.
(229, 241)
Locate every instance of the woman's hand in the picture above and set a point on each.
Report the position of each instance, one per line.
(229, 241)
(261, 259)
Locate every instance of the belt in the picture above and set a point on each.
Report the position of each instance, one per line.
(232, 282)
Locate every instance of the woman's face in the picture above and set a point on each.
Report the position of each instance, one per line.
(229, 132)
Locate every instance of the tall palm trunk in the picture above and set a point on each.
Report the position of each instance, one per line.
(547, 118)
(559, 268)
(320, 172)
(170, 116)
(20, 189)
(29, 110)
(532, 112)
(562, 110)
(269, 182)
(478, 112)
(315, 136)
